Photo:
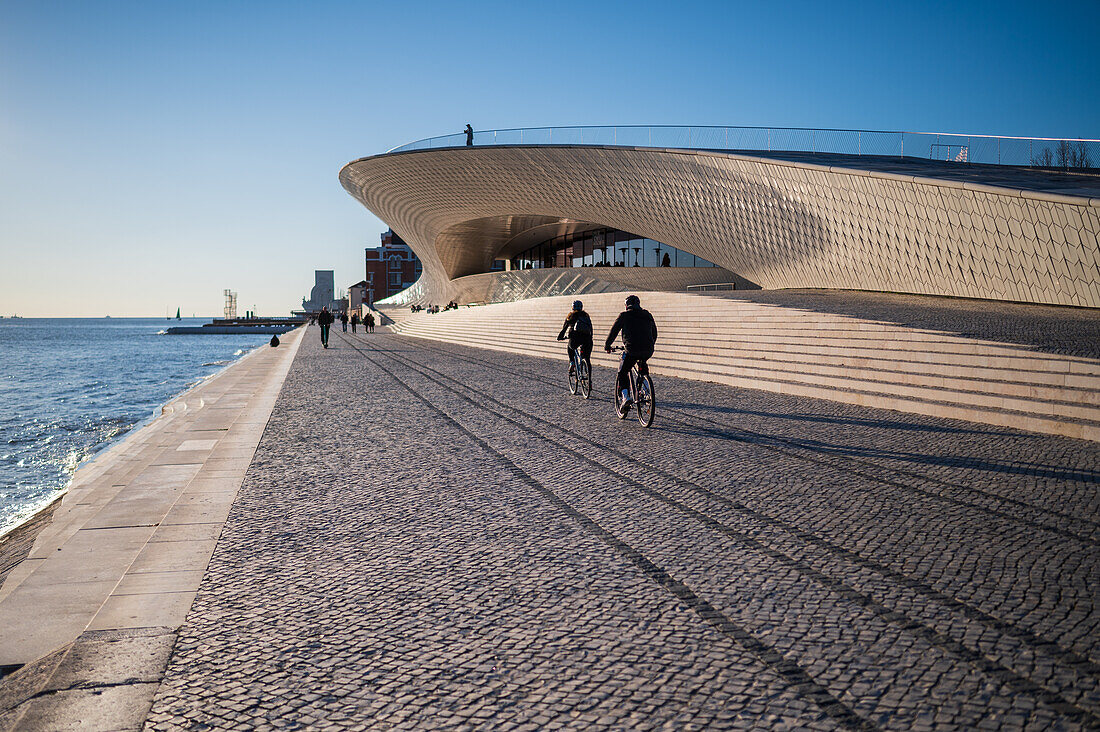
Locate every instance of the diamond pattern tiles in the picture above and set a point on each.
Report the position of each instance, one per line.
(779, 224)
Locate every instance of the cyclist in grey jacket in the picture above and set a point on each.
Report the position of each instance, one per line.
(639, 333)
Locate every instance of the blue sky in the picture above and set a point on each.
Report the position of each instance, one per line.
(154, 153)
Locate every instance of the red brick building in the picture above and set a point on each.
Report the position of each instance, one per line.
(390, 268)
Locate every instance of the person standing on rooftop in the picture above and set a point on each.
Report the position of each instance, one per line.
(469, 135)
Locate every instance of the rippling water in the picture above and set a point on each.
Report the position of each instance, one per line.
(70, 387)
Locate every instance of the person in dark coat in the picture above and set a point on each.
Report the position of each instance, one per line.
(469, 135)
(324, 319)
(344, 320)
(639, 333)
(579, 327)
(370, 322)
(354, 321)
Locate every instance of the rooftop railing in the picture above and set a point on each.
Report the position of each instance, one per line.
(1044, 152)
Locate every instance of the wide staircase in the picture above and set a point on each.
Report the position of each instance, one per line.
(390, 315)
(809, 353)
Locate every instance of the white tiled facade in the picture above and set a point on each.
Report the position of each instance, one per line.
(779, 224)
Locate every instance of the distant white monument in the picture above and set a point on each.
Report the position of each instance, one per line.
(323, 293)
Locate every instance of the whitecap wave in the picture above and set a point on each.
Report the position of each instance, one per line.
(12, 516)
(72, 461)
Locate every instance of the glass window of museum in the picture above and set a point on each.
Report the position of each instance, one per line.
(605, 248)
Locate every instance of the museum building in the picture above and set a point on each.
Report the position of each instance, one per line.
(506, 219)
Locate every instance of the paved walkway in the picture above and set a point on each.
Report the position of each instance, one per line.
(436, 536)
(1085, 183)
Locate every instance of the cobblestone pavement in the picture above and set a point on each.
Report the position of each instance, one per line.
(1065, 330)
(434, 536)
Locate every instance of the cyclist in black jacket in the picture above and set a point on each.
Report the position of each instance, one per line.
(639, 336)
(579, 327)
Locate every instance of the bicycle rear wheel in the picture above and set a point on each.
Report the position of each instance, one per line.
(619, 411)
(573, 377)
(647, 402)
(585, 379)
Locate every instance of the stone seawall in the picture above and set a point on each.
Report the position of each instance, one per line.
(16, 544)
(61, 568)
(21, 536)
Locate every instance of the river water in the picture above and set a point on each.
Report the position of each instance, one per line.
(71, 387)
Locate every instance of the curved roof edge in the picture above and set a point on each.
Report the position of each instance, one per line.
(968, 179)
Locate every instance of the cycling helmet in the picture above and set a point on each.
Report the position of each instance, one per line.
(578, 305)
(632, 301)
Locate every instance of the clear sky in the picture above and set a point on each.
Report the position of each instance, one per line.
(153, 154)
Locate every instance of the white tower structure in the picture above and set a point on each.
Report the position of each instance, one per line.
(230, 305)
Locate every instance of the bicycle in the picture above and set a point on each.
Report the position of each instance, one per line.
(580, 376)
(641, 394)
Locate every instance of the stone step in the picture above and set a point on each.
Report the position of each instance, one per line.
(1036, 368)
(1042, 423)
(973, 389)
(898, 337)
(1054, 370)
(791, 327)
(994, 412)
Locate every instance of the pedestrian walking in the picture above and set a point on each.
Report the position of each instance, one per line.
(354, 321)
(324, 319)
(344, 320)
(370, 322)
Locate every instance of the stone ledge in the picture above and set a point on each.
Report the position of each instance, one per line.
(102, 680)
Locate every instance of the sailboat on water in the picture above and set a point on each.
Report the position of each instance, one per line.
(177, 313)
